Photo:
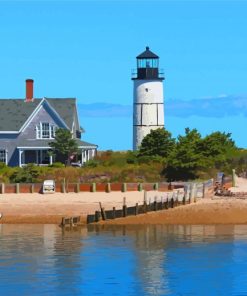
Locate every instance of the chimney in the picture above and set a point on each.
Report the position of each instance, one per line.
(29, 90)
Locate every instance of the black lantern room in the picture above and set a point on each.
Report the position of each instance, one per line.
(148, 66)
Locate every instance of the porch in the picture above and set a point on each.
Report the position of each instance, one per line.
(42, 156)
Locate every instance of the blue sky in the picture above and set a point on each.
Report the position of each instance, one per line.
(86, 49)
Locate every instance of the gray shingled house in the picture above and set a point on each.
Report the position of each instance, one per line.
(28, 125)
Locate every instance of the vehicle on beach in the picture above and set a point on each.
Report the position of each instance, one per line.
(48, 186)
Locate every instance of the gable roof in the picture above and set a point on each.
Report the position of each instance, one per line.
(15, 112)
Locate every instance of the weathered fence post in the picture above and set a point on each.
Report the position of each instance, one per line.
(203, 189)
(93, 187)
(156, 186)
(178, 193)
(155, 203)
(233, 178)
(192, 192)
(102, 212)
(136, 209)
(77, 187)
(32, 188)
(113, 213)
(124, 187)
(124, 207)
(2, 188)
(17, 188)
(140, 187)
(108, 187)
(63, 187)
(97, 216)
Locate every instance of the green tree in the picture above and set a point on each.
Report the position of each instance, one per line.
(158, 142)
(217, 144)
(185, 158)
(64, 145)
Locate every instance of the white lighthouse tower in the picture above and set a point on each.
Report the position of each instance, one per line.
(148, 97)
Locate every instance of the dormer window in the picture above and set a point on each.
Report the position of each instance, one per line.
(45, 130)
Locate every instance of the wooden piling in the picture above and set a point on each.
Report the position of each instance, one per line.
(103, 215)
(97, 216)
(140, 187)
(124, 207)
(172, 202)
(136, 209)
(77, 188)
(108, 187)
(155, 203)
(144, 207)
(63, 189)
(113, 213)
(17, 188)
(124, 187)
(2, 188)
(93, 187)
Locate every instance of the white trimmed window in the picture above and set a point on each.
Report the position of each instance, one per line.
(3, 155)
(45, 130)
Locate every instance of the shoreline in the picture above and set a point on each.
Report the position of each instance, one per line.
(203, 212)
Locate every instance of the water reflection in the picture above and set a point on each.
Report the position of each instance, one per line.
(123, 260)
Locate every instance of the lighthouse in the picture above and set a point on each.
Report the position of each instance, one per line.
(148, 97)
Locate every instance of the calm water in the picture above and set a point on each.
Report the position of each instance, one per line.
(133, 260)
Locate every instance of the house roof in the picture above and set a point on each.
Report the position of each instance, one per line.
(35, 143)
(15, 112)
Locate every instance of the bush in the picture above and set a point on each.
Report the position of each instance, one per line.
(57, 165)
(27, 174)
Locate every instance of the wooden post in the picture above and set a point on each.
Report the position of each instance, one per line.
(172, 202)
(124, 207)
(177, 198)
(32, 188)
(233, 178)
(93, 187)
(102, 212)
(156, 186)
(124, 187)
(63, 187)
(2, 188)
(97, 216)
(145, 206)
(108, 187)
(155, 203)
(136, 209)
(145, 196)
(113, 213)
(204, 190)
(17, 188)
(140, 187)
(77, 188)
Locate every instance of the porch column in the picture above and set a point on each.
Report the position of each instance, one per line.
(37, 156)
(82, 156)
(51, 159)
(20, 156)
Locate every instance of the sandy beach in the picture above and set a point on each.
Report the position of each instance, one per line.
(50, 208)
